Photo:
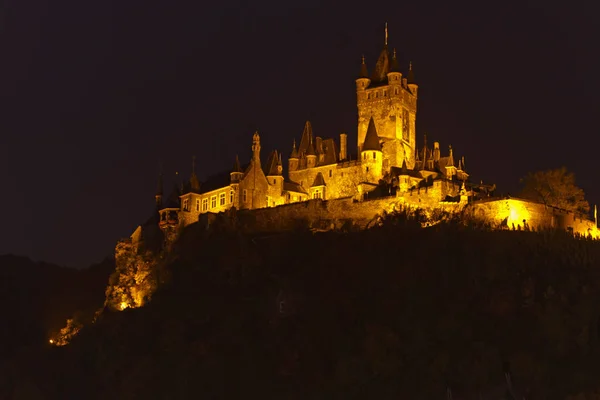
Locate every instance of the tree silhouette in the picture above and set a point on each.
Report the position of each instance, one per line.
(556, 188)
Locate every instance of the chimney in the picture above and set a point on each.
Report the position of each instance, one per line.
(436, 151)
(343, 144)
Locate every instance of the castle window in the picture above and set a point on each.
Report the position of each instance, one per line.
(231, 196)
(317, 194)
(274, 181)
(342, 174)
(245, 194)
(376, 94)
(186, 205)
(396, 91)
(374, 155)
(367, 169)
(213, 201)
(369, 96)
(330, 173)
(222, 199)
(204, 204)
(385, 93)
(365, 156)
(197, 204)
(267, 201)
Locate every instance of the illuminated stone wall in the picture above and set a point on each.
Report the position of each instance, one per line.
(341, 179)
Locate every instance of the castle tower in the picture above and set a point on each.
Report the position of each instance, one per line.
(236, 175)
(311, 154)
(256, 149)
(275, 170)
(371, 155)
(392, 105)
(293, 160)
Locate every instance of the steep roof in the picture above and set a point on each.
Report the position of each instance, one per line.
(272, 163)
(290, 186)
(306, 137)
(364, 73)
(173, 200)
(319, 181)
(236, 165)
(371, 139)
(382, 67)
(395, 65)
(310, 151)
(294, 153)
(411, 74)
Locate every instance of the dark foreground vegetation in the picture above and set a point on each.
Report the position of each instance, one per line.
(390, 313)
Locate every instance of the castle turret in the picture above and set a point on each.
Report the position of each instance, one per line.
(275, 169)
(311, 154)
(394, 76)
(450, 167)
(293, 160)
(436, 152)
(371, 155)
(403, 178)
(256, 148)
(363, 80)
(412, 84)
(236, 173)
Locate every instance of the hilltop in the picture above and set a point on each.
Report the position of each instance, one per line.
(395, 311)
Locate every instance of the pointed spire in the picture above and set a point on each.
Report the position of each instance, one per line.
(310, 151)
(424, 151)
(256, 148)
(395, 66)
(386, 35)
(411, 74)
(305, 139)
(236, 165)
(371, 139)
(294, 151)
(404, 169)
(382, 67)
(450, 157)
(364, 73)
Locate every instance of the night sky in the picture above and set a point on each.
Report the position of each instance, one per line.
(96, 94)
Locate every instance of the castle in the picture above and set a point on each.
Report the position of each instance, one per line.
(388, 164)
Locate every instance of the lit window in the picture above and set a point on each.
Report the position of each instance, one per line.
(245, 194)
(317, 194)
(213, 201)
(231, 196)
(204, 204)
(197, 204)
(396, 91)
(384, 93)
(222, 199)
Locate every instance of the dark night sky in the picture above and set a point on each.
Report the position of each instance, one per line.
(94, 94)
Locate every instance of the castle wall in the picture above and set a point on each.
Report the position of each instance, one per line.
(341, 179)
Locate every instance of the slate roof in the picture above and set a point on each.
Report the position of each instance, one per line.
(395, 65)
(371, 139)
(272, 164)
(319, 181)
(411, 74)
(382, 67)
(290, 186)
(396, 171)
(364, 73)
(306, 138)
(236, 165)
(330, 150)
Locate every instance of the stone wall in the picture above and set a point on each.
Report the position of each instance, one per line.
(341, 179)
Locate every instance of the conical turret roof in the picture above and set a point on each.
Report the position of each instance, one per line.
(236, 165)
(364, 73)
(294, 153)
(306, 137)
(395, 65)
(411, 75)
(371, 139)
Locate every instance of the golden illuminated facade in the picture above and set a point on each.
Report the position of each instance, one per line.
(387, 161)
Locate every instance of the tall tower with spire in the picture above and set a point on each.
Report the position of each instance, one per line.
(391, 101)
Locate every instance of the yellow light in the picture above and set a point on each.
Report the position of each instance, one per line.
(51, 341)
(123, 305)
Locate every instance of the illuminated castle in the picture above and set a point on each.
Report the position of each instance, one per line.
(321, 168)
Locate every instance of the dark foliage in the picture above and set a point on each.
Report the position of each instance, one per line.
(393, 312)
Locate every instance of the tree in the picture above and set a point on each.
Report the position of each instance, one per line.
(556, 188)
